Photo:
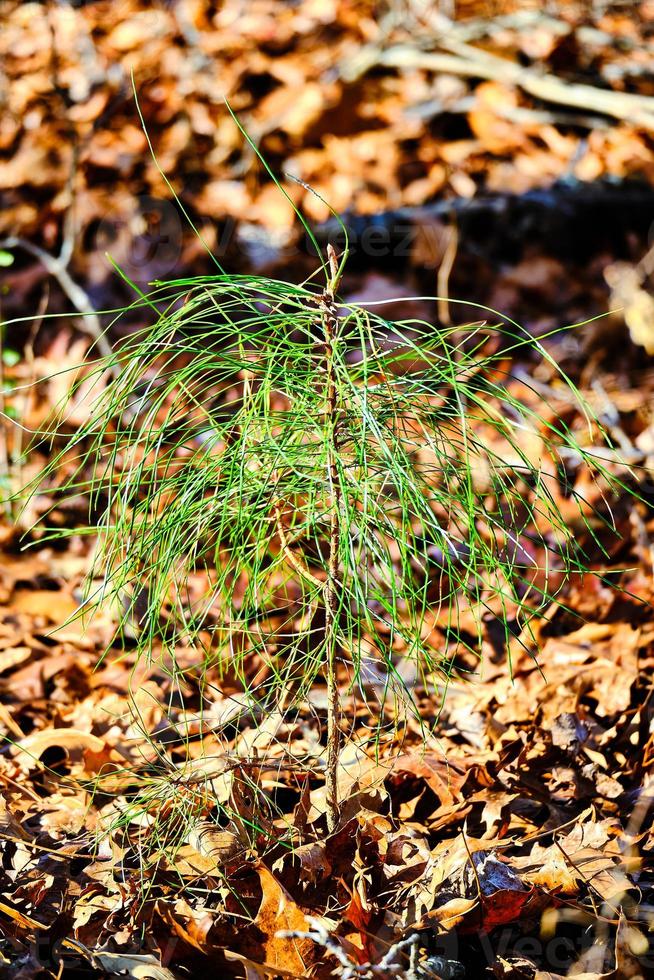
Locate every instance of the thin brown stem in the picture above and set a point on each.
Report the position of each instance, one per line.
(293, 560)
(334, 736)
(90, 321)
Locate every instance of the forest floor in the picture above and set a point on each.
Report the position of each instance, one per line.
(517, 841)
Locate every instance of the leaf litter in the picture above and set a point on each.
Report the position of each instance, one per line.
(150, 824)
(146, 836)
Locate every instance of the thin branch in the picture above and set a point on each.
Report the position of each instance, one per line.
(298, 565)
(444, 272)
(73, 291)
(330, 325)
(464, 59)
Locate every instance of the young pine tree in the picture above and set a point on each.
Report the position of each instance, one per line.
(345, 489)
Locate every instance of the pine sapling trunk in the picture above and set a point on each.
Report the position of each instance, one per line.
(330, 326)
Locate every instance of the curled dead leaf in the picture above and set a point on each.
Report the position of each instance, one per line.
(452, 913)
(218, 847)
(35, 745)
(130, 965)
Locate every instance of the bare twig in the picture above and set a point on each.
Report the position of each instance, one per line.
(460, 58)
(443, 276)
(80, 300)
(330, 326)
(57, 265)
(521, 115)
(297, 564)
(392, 964)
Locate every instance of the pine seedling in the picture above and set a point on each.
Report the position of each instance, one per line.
(279, 479)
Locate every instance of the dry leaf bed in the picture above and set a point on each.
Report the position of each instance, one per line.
(172, 831)
(519, 838)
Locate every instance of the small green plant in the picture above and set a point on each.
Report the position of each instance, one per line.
(275, 476)
(292, 487)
